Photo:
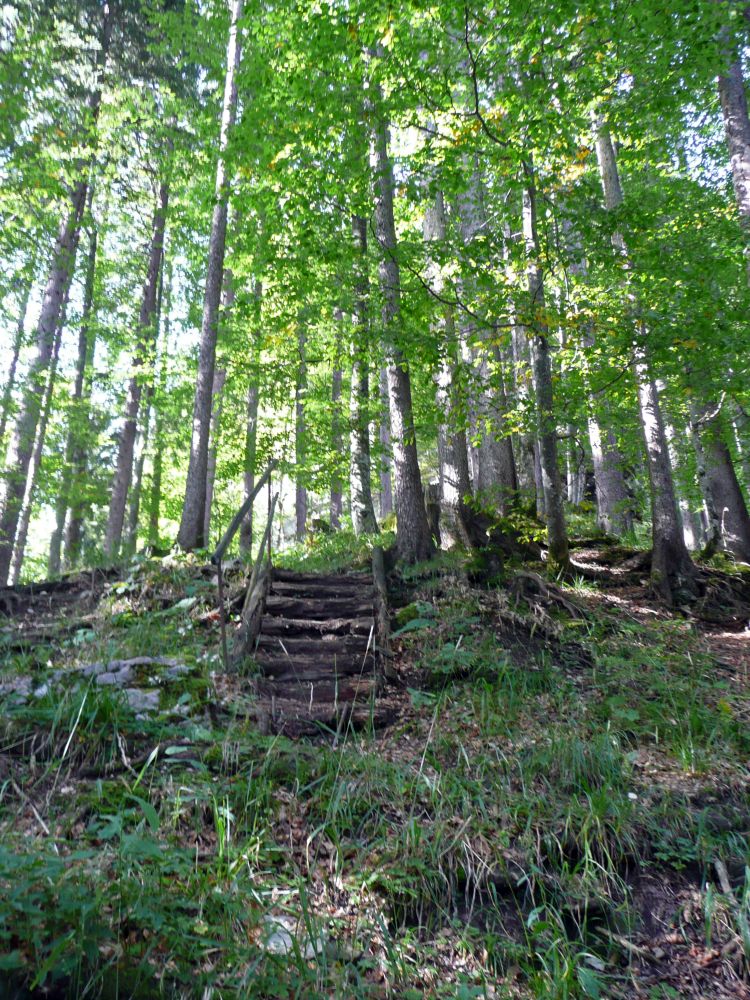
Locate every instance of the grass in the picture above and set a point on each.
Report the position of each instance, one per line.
(493, 842)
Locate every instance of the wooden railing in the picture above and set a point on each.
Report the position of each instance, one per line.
(260, 575)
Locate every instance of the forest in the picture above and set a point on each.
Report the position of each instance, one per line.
(374, 485)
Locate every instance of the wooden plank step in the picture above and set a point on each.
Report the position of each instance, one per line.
(285, 672)
(279, 661)
(302, 627)
(318, 609)
(324, 692)
(339, 579)
(320, 588)
(324, 644)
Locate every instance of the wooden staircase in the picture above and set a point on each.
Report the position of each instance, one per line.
(317, 651)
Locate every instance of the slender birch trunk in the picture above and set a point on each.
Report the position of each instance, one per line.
(360, 488)
(672, 570)
(733, 98)
(251, 424)
(191, 534)
(541, 364)
(144, 349)
(413, 539)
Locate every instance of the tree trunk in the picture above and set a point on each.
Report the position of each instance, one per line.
(191, 534)
(27, 507)
(165, 312)
(672, 570)
(716, 474)
(251, 426)
(733, 97)
(10, 382)
(384, 437)
(300, 492)
(413, 538)
(542, 368)
(337, 502)
(492, 462)
(24, 432)
(75, 452)
(145, 346)
(220, 377)
(360, 488)
(454, 477)
(136, 489)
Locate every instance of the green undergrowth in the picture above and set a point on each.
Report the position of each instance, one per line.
(333, 552)
(493, 842)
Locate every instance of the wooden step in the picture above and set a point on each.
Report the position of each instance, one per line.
(326, 644)
(323, 588)
(318, 609)
(304, 669)
(324, 692)
(337, 579)
(302, 627)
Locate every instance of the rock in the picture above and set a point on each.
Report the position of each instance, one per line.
(117, 678)
(281, 934)
(142, 700)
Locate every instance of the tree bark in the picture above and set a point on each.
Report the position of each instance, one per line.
(24, 433)
(454, 477)
(413, 538)
(5, 406)
(220, 377)
(385, 501)
(144, 349)
(27, 507)
(251, 426)
(728, 515)
(300, 430)
(672, 570)
(733, 97)
(165, 313)
(360, 488)
(191, 534)
(540, 358)
(337, 500)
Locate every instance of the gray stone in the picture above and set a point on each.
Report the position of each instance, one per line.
(142, 699)
(281, 933)
(117, 678)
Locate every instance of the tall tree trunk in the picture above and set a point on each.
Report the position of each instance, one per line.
(692, 529)
(360, 487)
(718, 480)
(5, 406)
(24, 432)
(492, 460)
(220, 377)
(454, 477)
(75, 452)
(413, 538)
(337, 500)
(733, 97)
(145, 347)
(540, 357)
(165, 312)
(385, 500)
(300, 431)
(672, 570)
(614, 511)
(251, 424)
(191, 534)
(27, 507)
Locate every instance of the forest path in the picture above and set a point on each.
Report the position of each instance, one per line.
(317, 652)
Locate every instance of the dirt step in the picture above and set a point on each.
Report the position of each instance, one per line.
(324, 644)
(324, 692)
(303, 627)
(321, 588)
(318, 609)
(337, 579)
